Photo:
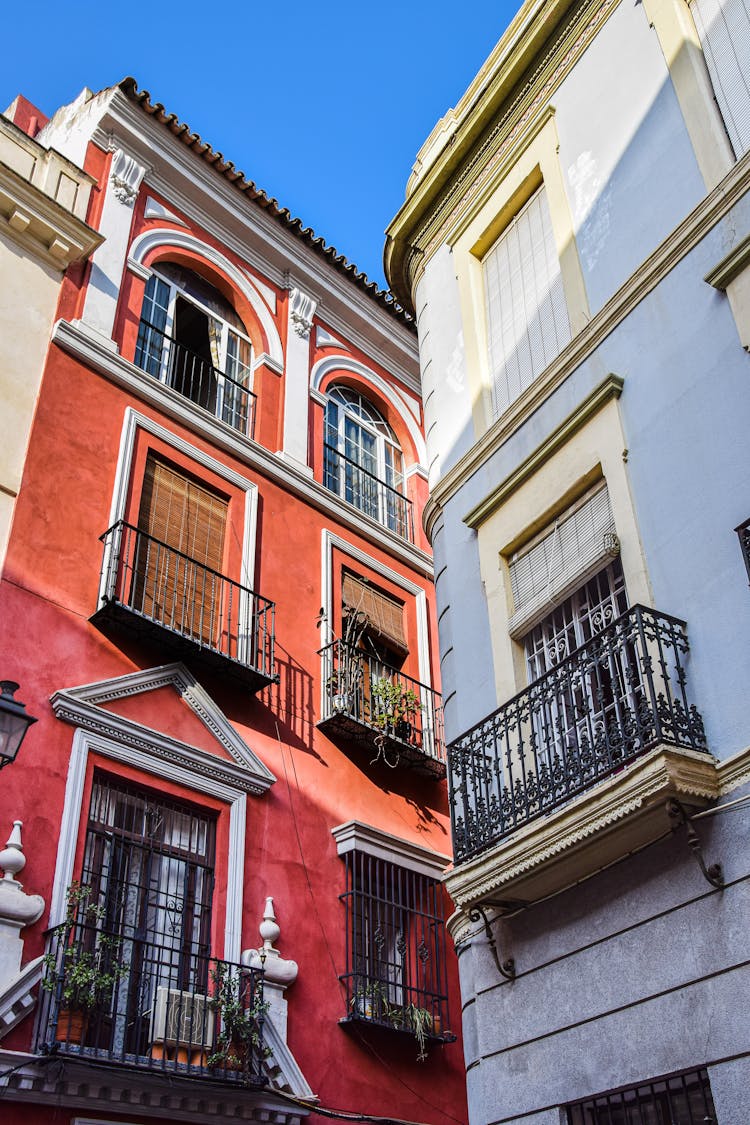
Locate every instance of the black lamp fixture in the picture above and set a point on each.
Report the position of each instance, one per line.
(14, 722)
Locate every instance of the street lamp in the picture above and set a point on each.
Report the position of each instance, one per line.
(14, 722)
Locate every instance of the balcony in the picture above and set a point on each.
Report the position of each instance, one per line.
(369, 493)
(619, 699)
(392, 717)
(117, 999)
(225, 396)
(153, 590)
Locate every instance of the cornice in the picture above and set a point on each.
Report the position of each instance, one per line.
(487, 124)
(356, 836)
(605, 823)
(734, 771)
(731, 266)
(42, 225)
(656, 267)
(97, 352)
(609, 388)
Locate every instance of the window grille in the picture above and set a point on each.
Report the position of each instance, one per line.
(743, 532)
(395, 945)
(527, 317)
(682, 1099)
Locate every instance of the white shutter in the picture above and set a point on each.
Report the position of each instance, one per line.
(527, 318)
(724, 30)
(563, 556)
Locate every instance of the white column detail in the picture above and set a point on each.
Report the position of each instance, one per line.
(296, 392)
(17, 909)
(279, 973)
(108, 262)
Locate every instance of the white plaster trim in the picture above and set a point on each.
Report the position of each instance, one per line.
(289, 1078)
(268, 294)
(354, 836)
(156, 210)
(138, 270)
(324, 339)
(400, 402)
(266, 360)
(100, 354)
(184, 240)
(18, 998)
(417, 470)
(150, 760)
(132, 422)
(329, 541)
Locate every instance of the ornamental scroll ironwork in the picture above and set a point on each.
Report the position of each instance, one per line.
(610, 701)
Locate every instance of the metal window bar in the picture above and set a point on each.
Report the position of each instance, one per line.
(196, 378)
(169, 588)
(615, 697)
(395, 946)
(680, 1099)
(373, 496)
(743, 531)
(382, 698)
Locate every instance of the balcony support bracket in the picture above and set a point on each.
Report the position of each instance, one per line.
(506, 968)
(679, 817)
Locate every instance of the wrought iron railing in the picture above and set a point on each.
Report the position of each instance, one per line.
(368, 493)
(402, 716)
(169, 589)
(614, 698)
(226, 396)
(395, 948)
(116, 998)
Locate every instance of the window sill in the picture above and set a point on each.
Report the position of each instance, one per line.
(623, 813)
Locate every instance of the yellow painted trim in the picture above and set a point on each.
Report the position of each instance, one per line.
(730, 266)
(611, 387)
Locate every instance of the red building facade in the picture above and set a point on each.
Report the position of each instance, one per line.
(218, 599)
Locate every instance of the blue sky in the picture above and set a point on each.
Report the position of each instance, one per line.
(323, 105)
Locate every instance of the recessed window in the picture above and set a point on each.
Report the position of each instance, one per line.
(683, 1099)
(363, 462)
(191, 339)
(527, 317)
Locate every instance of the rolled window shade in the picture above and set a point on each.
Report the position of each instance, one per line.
(385, 615)
(723, 28)
(565, 554)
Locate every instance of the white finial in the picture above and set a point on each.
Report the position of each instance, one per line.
(269, 928)
(276, 968)
(12, 859)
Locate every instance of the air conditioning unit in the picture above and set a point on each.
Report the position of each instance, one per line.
(182, 1019)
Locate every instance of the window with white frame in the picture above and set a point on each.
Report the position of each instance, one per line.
(723, 27)
(527, 316)
(363, 461)
(191, 338)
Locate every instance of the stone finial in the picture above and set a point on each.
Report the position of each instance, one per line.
(17, 909)
(277, 969)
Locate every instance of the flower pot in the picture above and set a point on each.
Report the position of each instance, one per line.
(71, 1025)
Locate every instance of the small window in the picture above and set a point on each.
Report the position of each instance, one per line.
(527, 316)
(723, 27)
(683, 1099)
(396, 965)
(363, 462)
(191, 338)
(373, 620)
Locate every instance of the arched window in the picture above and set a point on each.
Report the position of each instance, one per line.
(363, 461)
(192, 339)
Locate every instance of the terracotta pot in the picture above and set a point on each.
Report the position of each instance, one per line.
(71, 1025)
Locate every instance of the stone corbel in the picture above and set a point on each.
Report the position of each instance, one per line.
(126, 175)
(301, 311)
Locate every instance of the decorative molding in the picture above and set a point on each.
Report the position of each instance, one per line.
(38, 223)
(657, 266)
(150, 240)
(609, 388)
(98, 354)
(613, 818)
(354, 836)
(734, 771)
(301, 311)
(18, 996)
(730, 266)
(156, 210)
(126, 175)
(324, 339)
(123, 1090)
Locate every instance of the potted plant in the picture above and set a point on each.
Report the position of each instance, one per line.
(394, 707)
(84, 972)
(370, 1000)
(420, 1022)
(239, 1004)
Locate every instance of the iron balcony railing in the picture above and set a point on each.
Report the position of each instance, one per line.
(367, 492)
(743, 532)
(226, 396)
(397, 717)
(193, 603)
(610, 701)
(115, 997)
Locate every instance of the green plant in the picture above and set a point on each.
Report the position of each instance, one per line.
(419, 1021)
(370, 999)
(239, 1003)
(392, 704)
(82, 978)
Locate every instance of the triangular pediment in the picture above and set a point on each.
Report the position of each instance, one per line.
(166, 709)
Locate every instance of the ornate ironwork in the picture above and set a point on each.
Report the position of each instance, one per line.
(114, 997)
(743, 532)
(505, 968)
(396, 717)
(367, 492)
(613, 699)
(713, 873)
(190, 607)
